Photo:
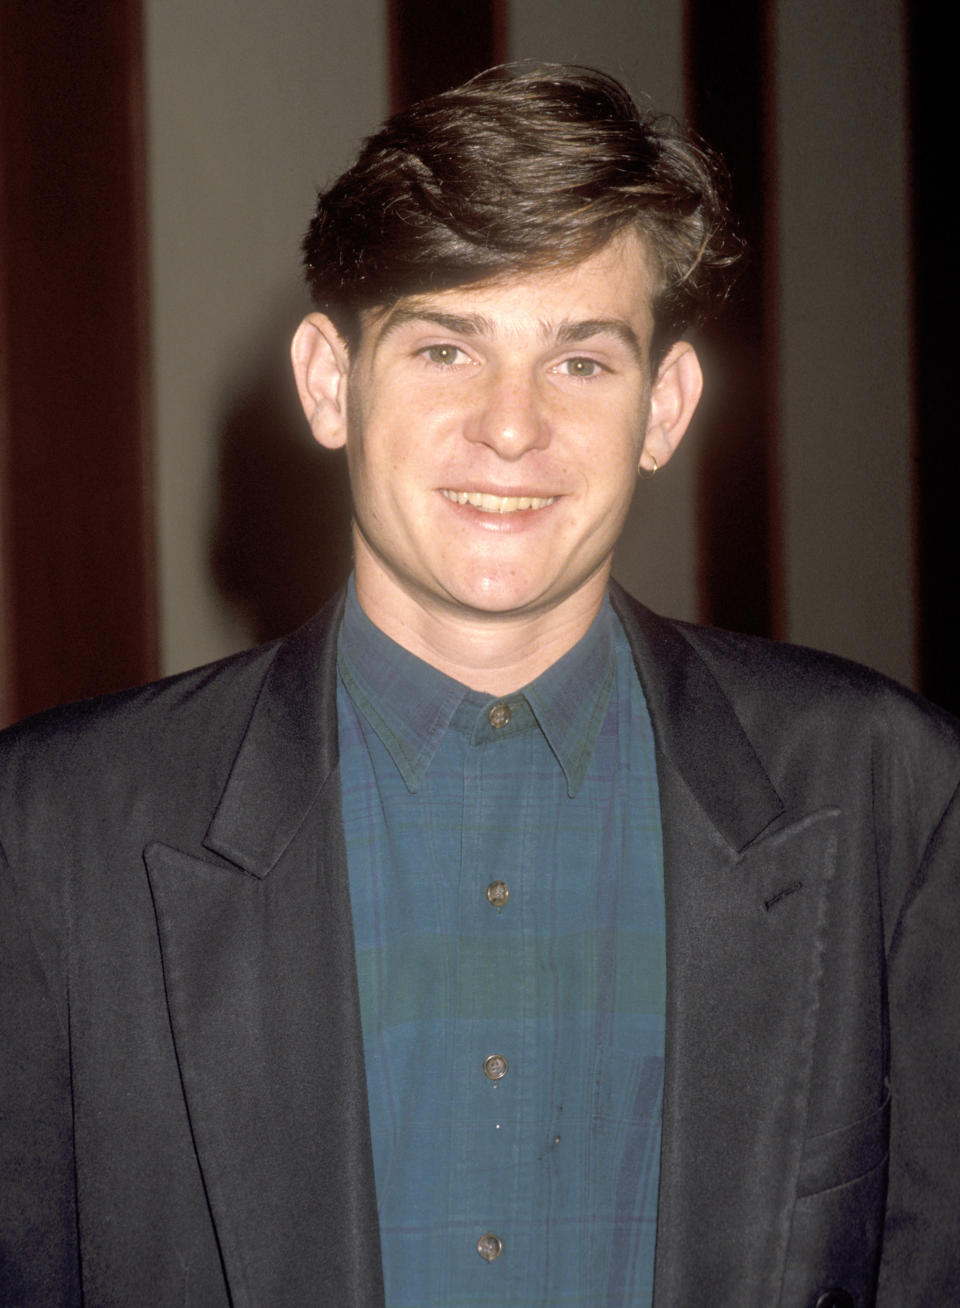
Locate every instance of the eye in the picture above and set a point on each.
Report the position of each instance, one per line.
(579, 367)
(444, 356)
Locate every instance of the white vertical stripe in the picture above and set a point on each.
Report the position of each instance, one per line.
(251, 107)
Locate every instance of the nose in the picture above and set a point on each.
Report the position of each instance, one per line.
(511, 415)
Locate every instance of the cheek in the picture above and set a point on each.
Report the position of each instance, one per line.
(394, 432)
(371, 452)
(609, 461)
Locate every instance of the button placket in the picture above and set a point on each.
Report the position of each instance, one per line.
(498, 727)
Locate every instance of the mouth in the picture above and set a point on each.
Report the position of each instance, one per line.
(498, 503)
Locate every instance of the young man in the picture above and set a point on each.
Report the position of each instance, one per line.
(490, 938)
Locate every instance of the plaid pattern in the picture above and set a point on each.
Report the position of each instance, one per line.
(559, 1157)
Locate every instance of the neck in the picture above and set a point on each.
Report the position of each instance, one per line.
(495, 653)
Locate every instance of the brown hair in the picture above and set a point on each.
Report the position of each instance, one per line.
(521, 168)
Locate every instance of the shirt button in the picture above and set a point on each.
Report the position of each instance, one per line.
(495, 1066)
(498, 715)
(498, 892)
(489, 1247)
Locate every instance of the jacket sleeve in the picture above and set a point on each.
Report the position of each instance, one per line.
(39, 1260)
(921, 1253)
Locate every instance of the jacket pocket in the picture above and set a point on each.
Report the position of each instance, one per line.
(838, 1218)
(836, 1157)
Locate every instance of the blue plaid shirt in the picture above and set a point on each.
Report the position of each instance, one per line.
(507, 891)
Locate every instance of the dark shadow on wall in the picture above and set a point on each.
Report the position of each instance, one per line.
(281, 544)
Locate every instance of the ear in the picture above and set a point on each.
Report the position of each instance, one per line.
(676, 391)
(320, 365)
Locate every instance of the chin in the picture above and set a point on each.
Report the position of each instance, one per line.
(496, 596)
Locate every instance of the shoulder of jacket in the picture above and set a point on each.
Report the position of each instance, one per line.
(779, 689)
(145, 708)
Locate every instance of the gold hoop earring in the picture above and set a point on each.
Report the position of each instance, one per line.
(647, 473)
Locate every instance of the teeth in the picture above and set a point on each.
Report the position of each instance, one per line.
(498, 503)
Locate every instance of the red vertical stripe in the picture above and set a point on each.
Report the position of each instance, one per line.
(429, 53)
(76, 551)
(730, 96)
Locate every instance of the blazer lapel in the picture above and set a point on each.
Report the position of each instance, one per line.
(257, 948)
(746, 888)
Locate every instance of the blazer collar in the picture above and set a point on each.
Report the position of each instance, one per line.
(288, 750)
(696, 729)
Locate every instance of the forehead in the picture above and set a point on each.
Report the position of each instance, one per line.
(615, 285)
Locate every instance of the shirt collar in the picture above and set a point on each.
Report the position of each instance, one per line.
(410, 705)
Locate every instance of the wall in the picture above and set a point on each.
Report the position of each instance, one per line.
(846, 424)
(251, 107)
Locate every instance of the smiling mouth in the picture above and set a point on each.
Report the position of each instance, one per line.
(497, 503)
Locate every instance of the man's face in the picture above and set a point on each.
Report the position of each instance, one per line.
(493, 435)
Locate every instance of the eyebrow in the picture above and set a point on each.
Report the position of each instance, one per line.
(569, 333)
(566, 333)
(459, 324)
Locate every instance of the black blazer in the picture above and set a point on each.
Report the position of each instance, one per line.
(182, 1075)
